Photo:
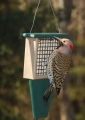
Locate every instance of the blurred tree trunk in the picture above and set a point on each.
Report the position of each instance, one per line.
(78, 19)
(65, 14)
(81, 19)
(54, 113)
(62, 16)
(66, 110)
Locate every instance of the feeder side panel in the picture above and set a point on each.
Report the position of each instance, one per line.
(35, 56)
(28, 66)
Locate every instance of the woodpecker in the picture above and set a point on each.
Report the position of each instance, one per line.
(58, 66)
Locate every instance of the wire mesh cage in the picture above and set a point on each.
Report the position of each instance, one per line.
(45, 47)
(38, 47)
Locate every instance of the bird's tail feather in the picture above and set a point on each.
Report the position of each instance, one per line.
(58, 90)
(47, 94)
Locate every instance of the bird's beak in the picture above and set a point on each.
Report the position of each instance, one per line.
(59, 40)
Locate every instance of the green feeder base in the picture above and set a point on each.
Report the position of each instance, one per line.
(37, 89)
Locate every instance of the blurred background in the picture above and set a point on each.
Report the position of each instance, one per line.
(16, 16)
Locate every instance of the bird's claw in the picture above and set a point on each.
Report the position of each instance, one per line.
(45, 100)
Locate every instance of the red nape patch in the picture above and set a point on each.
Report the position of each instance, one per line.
(71, 47)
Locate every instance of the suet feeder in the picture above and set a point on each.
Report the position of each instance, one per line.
(38, 47)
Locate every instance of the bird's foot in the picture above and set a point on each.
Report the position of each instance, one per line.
(45, 100)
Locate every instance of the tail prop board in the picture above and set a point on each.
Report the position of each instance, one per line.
(37, 89)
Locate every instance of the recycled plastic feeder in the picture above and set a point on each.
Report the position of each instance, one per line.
(38, 46)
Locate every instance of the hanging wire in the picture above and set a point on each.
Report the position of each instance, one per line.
(35, 16)
(53, 14)
(56, 20)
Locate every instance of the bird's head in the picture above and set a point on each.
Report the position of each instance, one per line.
(65, 44)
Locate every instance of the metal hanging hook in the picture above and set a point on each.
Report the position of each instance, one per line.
(35, 16)
(56, 20)
(53, 14)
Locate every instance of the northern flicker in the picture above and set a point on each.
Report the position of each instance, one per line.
(58, 66)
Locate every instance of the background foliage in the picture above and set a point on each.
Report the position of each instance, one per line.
(16, 16)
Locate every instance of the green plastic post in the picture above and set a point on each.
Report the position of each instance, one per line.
(37, 89)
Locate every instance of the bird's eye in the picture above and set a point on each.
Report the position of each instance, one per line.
(64, 41)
